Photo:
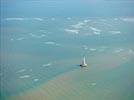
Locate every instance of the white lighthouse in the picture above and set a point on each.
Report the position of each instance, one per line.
(83, 64)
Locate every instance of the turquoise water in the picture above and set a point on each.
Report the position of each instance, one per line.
(35, 50)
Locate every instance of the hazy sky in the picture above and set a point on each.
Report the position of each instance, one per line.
(97, 8)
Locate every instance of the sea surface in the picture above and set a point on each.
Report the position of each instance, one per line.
(40, 58)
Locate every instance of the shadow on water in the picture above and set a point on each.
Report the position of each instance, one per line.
(82, 67)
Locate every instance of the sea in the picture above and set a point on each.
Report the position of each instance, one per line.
(35, 50)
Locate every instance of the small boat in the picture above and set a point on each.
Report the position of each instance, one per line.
(83, 64)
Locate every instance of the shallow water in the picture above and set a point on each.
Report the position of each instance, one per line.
(35, 51)
(97, 81)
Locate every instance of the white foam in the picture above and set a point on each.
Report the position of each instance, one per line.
(78, 25)
(25, 76)
(69, 18)
(52, 43)
(16, 19)
(86, 20)
(115, 32)
(85, 48)
(96, 33)
(115, 18)
(36, 80)
(22, 70)
(37, 36)
(93, 84)
(92, 49)
(95, 29)
(38, 19)
(45, 65)
(75, 31)
(131, 51)
(127, 19)
(21, 38)
(118, 50)
(21, 19)
(52, 19)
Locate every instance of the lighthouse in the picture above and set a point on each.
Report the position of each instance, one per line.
(83, 64)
